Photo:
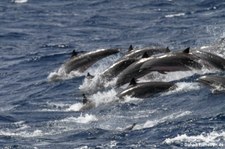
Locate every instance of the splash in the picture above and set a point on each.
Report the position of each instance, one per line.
(75, 107)
(212, 139)
(21, 130)
(183, 87)
(175, 15)
(61, 74)
(19, 1)
(152, 123)
(95, 84)
(104, 97)
(83, 119)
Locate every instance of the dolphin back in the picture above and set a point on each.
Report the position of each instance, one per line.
(84, 61)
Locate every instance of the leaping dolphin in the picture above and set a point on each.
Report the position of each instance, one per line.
(84, 61)
(117, 68)
(139, 52)
(177, 62)
(174, 61)
(145, 89)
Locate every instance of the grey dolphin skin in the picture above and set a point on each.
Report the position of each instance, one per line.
(132, 71)
(84, 61)
(145, 89)
(179, 61)
(210, 59)
(150, 51)
(212, 81)
(117, 67)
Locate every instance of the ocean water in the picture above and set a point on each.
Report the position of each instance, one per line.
(37, 37)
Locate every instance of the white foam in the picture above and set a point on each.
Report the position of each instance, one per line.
(22, 130)
(174, 15)
(75, 107)
(184, 87)
(96, 83)
(104, 97)
(130, 99)
(152, 123)
(19, 1)
(84, 119)
(212, 139)
(60, 74)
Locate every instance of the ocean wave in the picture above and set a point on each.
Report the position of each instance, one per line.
(212, 139)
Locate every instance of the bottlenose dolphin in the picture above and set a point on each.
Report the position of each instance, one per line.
(116, 68)
(84, 61)
(210, 59)
(177, 62)
(145, 89)
(119, 66)
(212, 81)
(132, 71)
(173, 61)
(139, 52)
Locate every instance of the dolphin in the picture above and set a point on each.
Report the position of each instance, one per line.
(173, 61)
(119, 66)
(132, 71)
(84, 61)
(210, 59)
(116, 68)
(145, 89)
(212, 81)
(139, 52)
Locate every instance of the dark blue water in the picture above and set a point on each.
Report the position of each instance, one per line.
(37, 37)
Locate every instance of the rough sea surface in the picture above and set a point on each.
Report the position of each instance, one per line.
(38, 36)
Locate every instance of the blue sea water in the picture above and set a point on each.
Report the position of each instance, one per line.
(37, 37)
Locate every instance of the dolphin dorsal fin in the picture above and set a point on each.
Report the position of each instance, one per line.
(187, 50)
(89, 76)
(74, 53)
(85, 100)
(145, 55)
(168, 49)
(130, 48)
(133, 82)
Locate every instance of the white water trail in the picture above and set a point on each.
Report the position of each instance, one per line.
(212, 139)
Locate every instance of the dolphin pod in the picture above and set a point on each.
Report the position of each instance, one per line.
(136, 63)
